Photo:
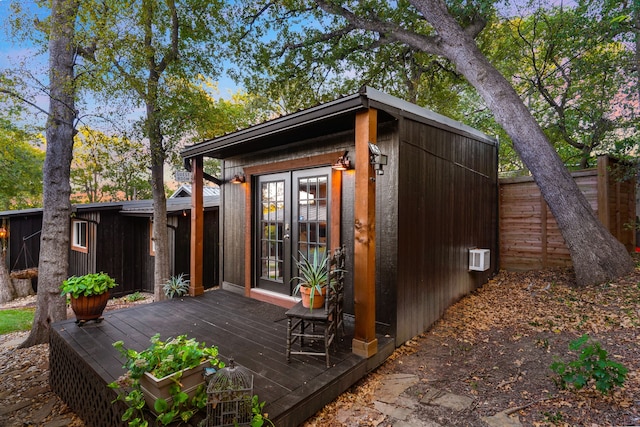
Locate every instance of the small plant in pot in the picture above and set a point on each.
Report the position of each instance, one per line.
(89, 295)
(313, 278)
(167, 378)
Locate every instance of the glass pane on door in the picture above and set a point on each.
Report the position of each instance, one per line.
(312, 215)
(272, 230)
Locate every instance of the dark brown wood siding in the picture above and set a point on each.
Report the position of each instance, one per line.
(81, 263)
(23, 249)
(183, 248)
(447, 204)
(137, 271)
(109, 250)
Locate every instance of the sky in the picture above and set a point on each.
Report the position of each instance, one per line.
(13, 52)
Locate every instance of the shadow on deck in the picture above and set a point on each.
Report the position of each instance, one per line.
(83, 361)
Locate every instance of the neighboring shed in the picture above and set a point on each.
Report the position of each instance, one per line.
(529, 235)
(115, 238)
(407, 225)
(185, 191)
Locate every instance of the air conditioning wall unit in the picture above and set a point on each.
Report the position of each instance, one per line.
(479, 259)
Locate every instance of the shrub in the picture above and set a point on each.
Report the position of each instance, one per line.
(592, 364)
(136, 296)
(176, 286)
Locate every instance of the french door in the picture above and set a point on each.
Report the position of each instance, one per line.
(291, 218)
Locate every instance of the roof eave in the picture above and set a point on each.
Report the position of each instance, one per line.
(217, 146)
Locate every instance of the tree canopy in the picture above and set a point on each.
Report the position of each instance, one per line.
(570, 64)
(20, 168)
(308, 32)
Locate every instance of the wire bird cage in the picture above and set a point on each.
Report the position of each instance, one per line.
(229, 395)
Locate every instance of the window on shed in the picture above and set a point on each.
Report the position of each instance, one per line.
(79, 235)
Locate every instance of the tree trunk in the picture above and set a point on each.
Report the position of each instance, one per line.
(7, 292)
(597, 256)
(54, 244)
(162, 268)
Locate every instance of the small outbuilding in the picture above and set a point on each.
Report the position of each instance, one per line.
(115, 238)
(412, 196)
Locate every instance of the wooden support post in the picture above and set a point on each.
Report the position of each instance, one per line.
(197, 228)
(364, 341)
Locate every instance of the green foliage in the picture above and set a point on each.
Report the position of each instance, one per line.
(313, 272)
(569, 64)
(592, 364)
(89, 284)
(161, 359)
(108, 167)
(20, 168)
(258, 418)
(136, 296)
(176, 286)
(14, 320)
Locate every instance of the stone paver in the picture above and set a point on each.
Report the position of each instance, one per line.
(501, 419)
(394, 385)
(453, 401)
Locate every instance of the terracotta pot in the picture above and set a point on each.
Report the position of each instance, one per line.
(318, 298)
(89, 308)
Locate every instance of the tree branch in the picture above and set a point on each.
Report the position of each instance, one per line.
(22, 99)
(428, 44)
(174, 49)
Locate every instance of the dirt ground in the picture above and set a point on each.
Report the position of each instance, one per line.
(495, 346)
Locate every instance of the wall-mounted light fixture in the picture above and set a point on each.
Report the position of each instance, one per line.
(377, 159)
(237, 179)
(4, 234)
(342, 163)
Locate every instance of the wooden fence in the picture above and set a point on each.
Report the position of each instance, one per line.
(529, 235)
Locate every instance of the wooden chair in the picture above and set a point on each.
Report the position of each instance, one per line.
(324, 322)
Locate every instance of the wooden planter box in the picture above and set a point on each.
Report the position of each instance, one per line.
(156, 388)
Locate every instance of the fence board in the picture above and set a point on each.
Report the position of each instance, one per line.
(529, 235)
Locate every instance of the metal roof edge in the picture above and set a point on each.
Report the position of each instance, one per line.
(406, 108)
(365, 97)
(282, 123)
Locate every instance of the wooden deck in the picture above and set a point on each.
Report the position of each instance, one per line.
(253, 333)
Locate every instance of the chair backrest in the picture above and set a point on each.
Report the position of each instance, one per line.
(335, 291)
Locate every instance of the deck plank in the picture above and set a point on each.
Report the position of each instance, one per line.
(251, 332)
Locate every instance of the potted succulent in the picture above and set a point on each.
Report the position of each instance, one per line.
(89, 295)
(167, 378)
(313, 279)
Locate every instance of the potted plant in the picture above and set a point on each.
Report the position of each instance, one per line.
(89, 295)
(167, 378)
(313, 279)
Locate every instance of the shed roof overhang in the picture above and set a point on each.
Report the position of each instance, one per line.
(324, 119)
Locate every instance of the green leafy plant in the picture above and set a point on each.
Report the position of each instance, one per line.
(161, 359)
(176, 286)
(314, 273)
(592, 364)
(87, 285)
(136, 296)
(258, 417)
